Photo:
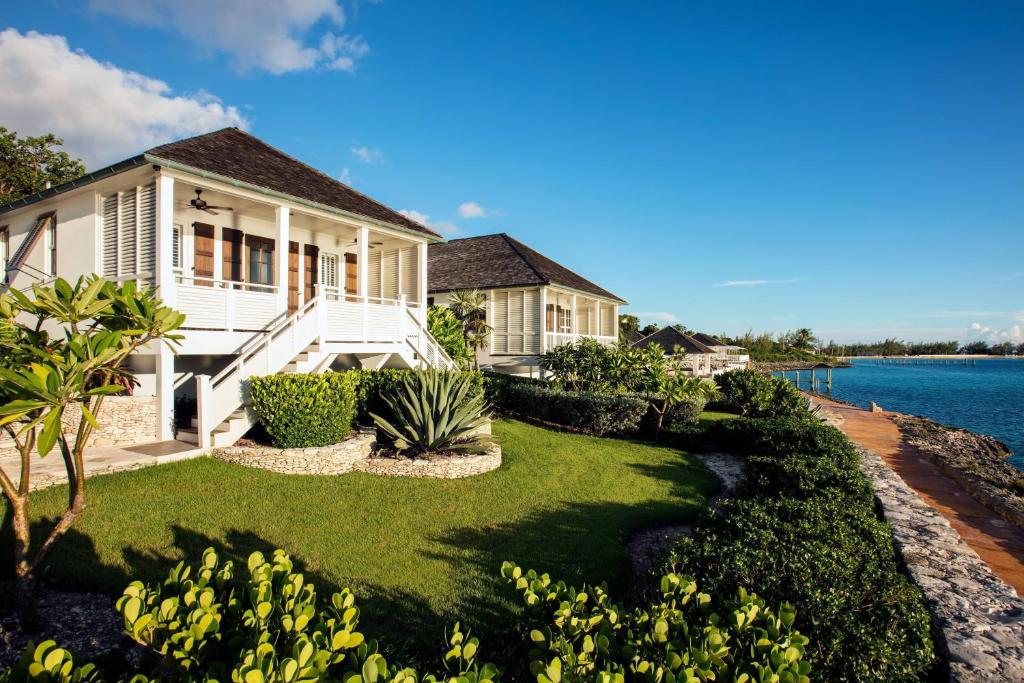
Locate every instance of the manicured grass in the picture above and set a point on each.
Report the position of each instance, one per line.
(709, 416)
(418, 553)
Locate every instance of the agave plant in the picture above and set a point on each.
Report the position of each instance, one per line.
(434, 411)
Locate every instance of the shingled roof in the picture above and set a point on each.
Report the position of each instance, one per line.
(669, 338)
(492, 261)
(707, 339)
(235, 154)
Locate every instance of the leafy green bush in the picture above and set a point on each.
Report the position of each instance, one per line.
(299, 411)
(495, 385)
(47, 663)
(581, 635)
(434, 411)
(446, 328)
(835, 562)
(372, 385)
(577, 410)
(583, 365)
(754, 394)
(804, 529)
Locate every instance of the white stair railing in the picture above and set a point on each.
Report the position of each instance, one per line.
(265, 354)
(430, 353)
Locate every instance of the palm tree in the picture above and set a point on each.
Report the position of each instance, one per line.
(470, 307)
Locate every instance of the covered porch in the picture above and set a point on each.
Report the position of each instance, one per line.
(570, 316)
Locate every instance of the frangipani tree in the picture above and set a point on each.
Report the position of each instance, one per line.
(66, 345)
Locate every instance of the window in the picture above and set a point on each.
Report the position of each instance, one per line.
(129, 234)
(261, 260)
(5, 250)
(51, 247)
(328, 269)
(176, 245)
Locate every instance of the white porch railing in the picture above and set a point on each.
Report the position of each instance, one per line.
(425, 346)
(554, 339)
(210, 304)
(219, 396)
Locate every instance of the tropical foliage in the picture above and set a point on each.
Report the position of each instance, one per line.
(61, 352)
(579, 634)
(30, 164)
(304, 410)
(470, 307)
(580, 411)
(446, 328)
(434, 411)
(756, 394)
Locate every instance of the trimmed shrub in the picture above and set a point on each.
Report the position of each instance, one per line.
(371, 385)
(681, 416)
(835, 562)
(446, 328)
(755, 394)
(497, 383)
(804, 528)
(299, 411)
(579, 634)
(581, 411)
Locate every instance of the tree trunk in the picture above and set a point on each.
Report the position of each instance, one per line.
(24, 593)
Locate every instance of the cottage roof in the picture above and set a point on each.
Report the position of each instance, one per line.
(493, 261)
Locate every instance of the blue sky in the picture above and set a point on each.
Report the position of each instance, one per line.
(854, 167)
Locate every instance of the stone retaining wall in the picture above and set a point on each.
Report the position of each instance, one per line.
(980, 617)
(357, 454)
(124, 421)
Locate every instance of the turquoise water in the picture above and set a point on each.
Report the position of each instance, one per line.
(987, 397)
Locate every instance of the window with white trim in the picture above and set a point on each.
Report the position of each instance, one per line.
(329, 273)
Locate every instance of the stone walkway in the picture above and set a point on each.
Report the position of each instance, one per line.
(998, 542)
(49, 471)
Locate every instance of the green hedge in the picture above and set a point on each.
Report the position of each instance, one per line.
(581, 411)
(496, 385)
(299, 411)
(371, 384)
(754, 394)
(804, 529)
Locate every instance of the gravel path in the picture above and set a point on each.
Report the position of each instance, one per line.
(85, 623)
(649, 547)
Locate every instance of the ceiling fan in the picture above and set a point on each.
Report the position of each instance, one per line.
(371, 245)
(200, 204)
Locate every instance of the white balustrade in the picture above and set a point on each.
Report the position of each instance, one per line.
(210, 304)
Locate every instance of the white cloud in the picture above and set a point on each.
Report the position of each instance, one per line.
(446, 228)
(974, 313)
(368, 155)
(269, 35)
(474, 210)
(993, 335)
(102, 112)
(660, 316)
(345, 176)
(756, 283)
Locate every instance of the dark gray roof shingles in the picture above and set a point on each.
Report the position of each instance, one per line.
(492, 261)
(236, 154)
(669, 338)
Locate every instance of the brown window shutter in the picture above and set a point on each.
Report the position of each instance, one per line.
(233, 261)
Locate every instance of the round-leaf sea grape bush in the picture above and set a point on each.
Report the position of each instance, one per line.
(264, 623)
(304, 410)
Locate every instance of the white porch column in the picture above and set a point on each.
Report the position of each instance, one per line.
(615, 320)
(281, 251)
(543, 319)
(168, 290)
(363, 265)
(598, 331)
(421, 285)
(573, 327)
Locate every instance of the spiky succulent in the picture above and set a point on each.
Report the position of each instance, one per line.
(434, 411)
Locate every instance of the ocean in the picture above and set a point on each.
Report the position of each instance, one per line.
(986, 397)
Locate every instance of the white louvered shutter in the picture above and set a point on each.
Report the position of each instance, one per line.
(390, 281)
(176, 246)
(110, 236)
(515, 322)
(500, 324)
(147, 231)
(328, 269)
(128, 230)
(374, 274)
(531, 321)
(410, 267)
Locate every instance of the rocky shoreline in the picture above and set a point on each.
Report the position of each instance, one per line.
(977, 462)
(788, 365)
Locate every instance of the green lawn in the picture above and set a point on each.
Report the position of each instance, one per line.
(418, 553)
(709, 416)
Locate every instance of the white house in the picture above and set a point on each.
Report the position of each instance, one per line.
(533, 302)
(701, 354)
(277, 266)
(726, 356)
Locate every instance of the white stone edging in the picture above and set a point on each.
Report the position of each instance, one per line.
(981, 617)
